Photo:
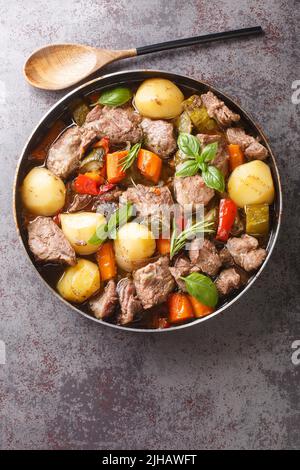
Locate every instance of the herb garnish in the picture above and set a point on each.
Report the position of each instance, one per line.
(199, 160)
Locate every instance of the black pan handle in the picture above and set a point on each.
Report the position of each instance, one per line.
(163, 46)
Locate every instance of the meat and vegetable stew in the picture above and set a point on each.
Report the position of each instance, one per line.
(151, 208)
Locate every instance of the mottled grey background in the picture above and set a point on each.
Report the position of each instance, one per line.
(227, 383)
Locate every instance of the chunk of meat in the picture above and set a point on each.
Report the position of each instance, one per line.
(218, 110)
(221, 159)
(252, 148)
(228, 280)
(192, 190)
(78, 202)
(204, 254)
(226, 258)
(121, 124)
(104, 304)
(149, 200)
(159, 137)
(64, 155)
(154, 282)
(246, 253)
(129, 302)
(182, 267)
(48, 242)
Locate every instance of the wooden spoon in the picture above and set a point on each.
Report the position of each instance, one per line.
(62, 65)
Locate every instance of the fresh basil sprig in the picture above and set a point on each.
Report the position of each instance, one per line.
(117, 219)
(115, 97)
(128, 160)
(202, 288)
(190, 146)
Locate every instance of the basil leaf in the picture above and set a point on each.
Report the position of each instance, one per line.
(188, 144)
(115, 97)
(208, 153)
(119, 218)
(214, 178)
(202, 288)
(188, 168)
(100, 235)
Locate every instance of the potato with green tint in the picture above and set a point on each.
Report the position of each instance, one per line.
(79, 282)
(79, 229)
(42, 192)
(251, 183)
(158, 98)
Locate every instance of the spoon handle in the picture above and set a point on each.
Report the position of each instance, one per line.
(163, 46)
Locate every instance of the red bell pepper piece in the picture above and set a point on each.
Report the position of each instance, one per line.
(227, 214)
(85, 185)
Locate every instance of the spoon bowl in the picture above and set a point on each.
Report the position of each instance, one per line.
(59, 66)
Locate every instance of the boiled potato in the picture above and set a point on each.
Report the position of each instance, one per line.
(79, 228)
(42, 192)
(79, 282)
(251, 183)
(134, 243)
(158, 98)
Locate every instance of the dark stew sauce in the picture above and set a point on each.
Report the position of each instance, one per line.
(207, 122)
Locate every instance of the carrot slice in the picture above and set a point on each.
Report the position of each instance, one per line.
(114, 170)
(236, 156)
(106, 261)
(200, 310)
(149, 165)
(163, 245)
(180, 308)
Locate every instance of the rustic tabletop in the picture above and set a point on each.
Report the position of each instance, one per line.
(230, 382)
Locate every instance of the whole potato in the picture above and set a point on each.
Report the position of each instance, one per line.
(79, 282)
(158, 98)
(134, 243)
(79, 228)
(42, 192)
(251, 183)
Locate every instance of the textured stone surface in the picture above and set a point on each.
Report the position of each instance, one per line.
(228, 383)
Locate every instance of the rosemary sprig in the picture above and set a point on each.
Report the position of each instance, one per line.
(179, 240)
(128, 160)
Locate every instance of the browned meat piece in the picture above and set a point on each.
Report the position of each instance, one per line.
(256, 151)
(226, 258)
(65, 154)
(252, 148)
(48, 243)
(218, 110)
(119, 124)
(154, 282)
(104, 304)
(246, 253)
(79, 202)
(192, 190)
(221, 159)
(203, 254)
(148, 200)
(182, 267)
(228, 280)
(130, 303)
(159, 137)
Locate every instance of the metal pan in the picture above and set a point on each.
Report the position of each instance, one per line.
(133, 77)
